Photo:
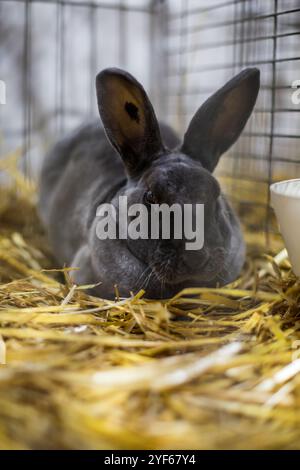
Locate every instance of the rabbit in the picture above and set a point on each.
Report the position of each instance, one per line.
(133, 155)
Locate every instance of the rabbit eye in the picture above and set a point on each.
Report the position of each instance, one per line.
(149, 198)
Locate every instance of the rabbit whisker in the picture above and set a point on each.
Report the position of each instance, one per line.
(144, 273)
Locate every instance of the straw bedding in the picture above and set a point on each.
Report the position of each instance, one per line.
(210, 368)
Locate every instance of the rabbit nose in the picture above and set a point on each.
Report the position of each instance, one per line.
(210, 260)
(197, 260)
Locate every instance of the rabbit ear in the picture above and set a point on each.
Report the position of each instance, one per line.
(128, 118)
(221, 119)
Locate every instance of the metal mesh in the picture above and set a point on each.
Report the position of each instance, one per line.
(51, 51)
(210, 41)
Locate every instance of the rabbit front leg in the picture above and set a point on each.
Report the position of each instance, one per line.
(83, 272)
(108, 264)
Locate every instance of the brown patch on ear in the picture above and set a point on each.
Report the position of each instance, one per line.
(123, 111)
(128, 117)
(234, 109)
(220, 120)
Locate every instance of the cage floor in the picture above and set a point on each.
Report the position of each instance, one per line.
(208, 369)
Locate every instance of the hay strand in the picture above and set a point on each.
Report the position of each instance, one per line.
(209, 368)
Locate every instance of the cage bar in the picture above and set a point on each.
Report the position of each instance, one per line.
(222, 38)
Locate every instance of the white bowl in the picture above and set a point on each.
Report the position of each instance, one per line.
(285, 200)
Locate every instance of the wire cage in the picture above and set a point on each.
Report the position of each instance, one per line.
(208, 42)
(182, 51)
(51, 53)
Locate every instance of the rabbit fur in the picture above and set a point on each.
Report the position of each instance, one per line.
(130, 154)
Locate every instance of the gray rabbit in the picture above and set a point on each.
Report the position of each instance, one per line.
(134, 156)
